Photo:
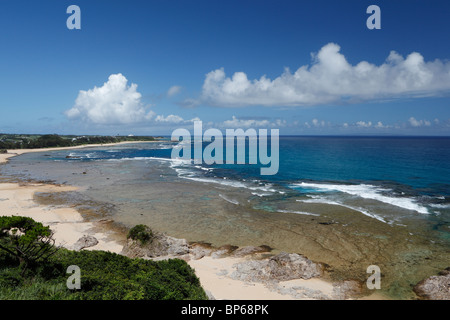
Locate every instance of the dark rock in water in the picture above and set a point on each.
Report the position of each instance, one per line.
(435, 287)
(85, 242)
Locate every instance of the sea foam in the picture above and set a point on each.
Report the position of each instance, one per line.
(367, 192)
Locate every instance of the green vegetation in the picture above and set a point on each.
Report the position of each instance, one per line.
(26, 240)
(104, 275)
(142, 233)
(15, 141)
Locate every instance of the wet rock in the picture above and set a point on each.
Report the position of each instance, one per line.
(435, 287)
(85, 242)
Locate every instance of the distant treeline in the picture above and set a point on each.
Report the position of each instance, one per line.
(8, 141)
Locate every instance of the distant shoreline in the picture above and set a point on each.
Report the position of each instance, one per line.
(17, 152)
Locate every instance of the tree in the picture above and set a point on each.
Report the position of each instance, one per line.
(26, 240)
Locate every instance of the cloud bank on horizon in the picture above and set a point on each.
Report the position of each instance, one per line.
(330, 80)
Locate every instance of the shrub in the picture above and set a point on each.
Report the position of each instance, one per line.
(110, 276)
(142, 233)
(104, 275)
(26, 240)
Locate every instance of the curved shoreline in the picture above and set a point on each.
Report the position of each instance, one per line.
(214, 273)
(17, 152)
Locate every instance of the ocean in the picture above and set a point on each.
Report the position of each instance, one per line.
(348, 202)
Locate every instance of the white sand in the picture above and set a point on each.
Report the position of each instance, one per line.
(214, 275)
(67, 223)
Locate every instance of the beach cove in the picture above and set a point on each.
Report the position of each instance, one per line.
(331, 239)
(69, 226)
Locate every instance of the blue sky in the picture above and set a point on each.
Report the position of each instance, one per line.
(149, 67)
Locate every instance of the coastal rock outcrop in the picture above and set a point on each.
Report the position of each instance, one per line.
(435, 287)
(200, 250)
(281, 267)
(161, 245)
(85, 241)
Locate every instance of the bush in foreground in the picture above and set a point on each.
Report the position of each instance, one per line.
(26, 240)
(104, 275)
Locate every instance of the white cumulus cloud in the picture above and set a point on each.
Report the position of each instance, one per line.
(170, 119)
(331, 79)
(363, 124)
(419, 123)
(173, 119)
(115, 102)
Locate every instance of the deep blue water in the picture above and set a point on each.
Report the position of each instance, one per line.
(420, 163)
(407, 173)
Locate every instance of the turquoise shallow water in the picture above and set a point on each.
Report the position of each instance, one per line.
(348, 202)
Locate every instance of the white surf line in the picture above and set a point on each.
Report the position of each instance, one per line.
(299, 212)
(368, 192)
(364, 212)
(235, 202)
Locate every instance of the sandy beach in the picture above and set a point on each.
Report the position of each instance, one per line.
(214, 273)
(17, 152)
